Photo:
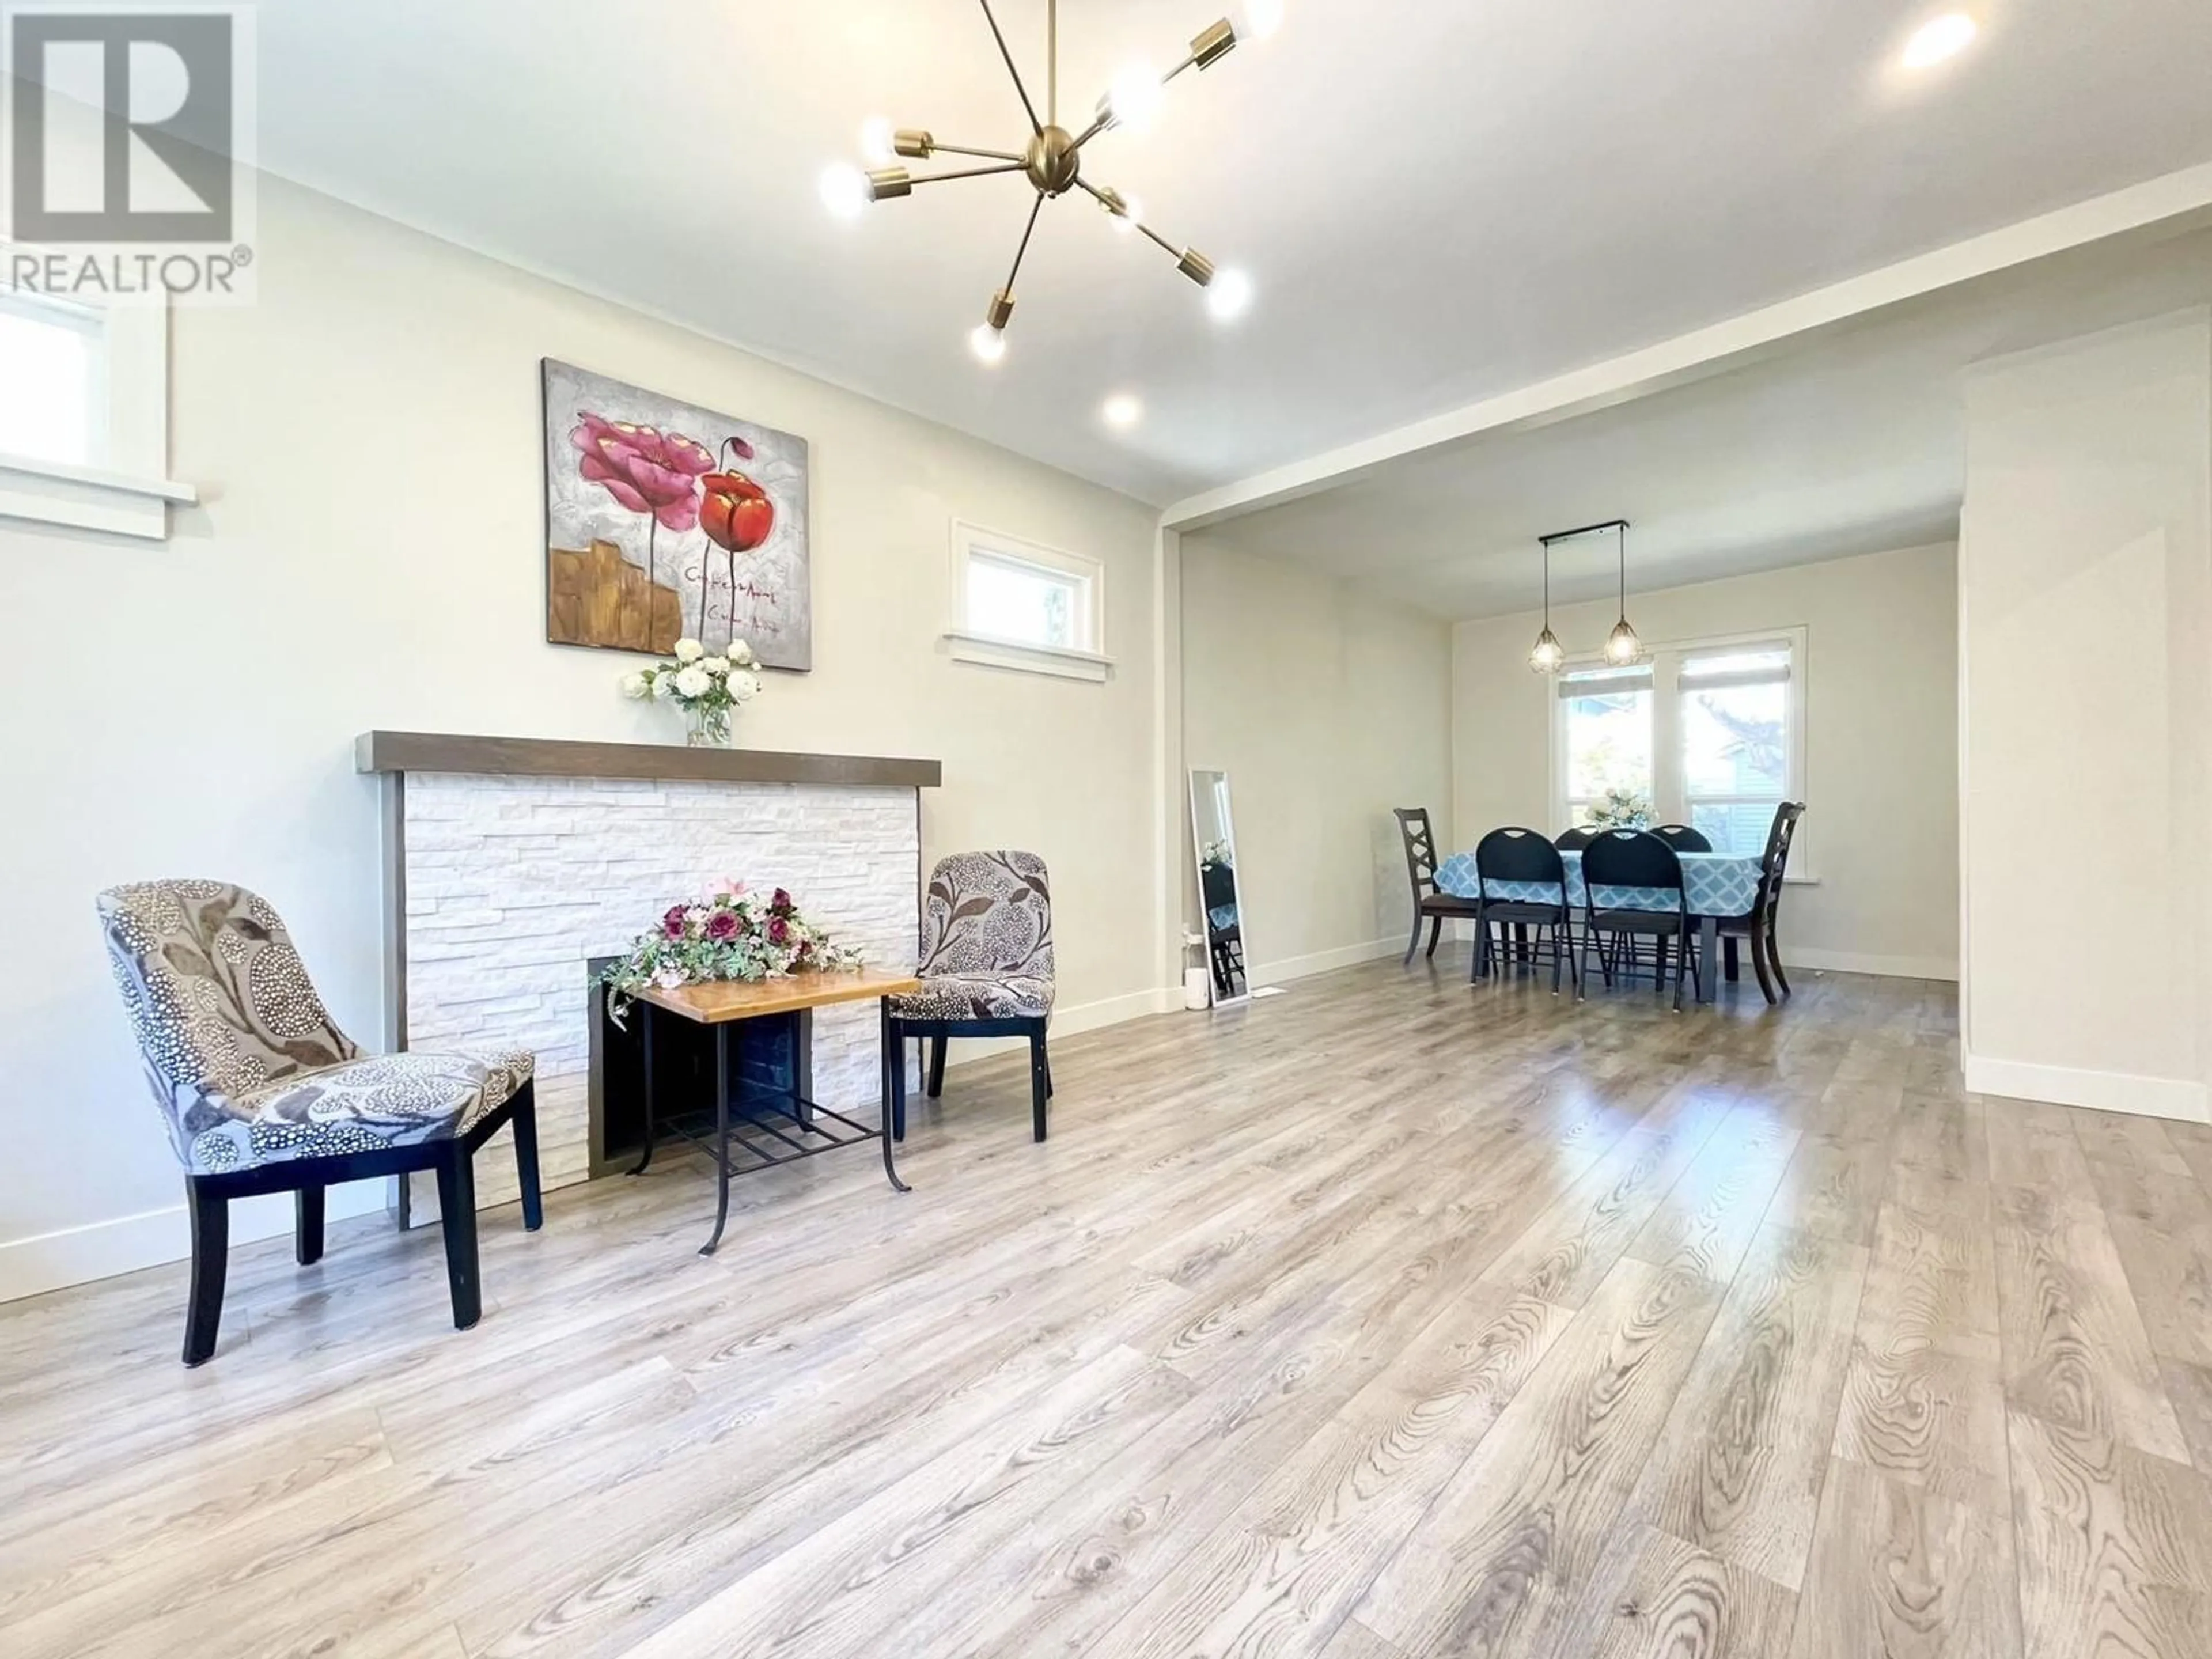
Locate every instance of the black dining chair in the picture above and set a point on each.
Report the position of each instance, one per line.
(1637, 857)
(1683, 838)
(1431, 905)
(1522, 856)
(1574, 840)
(1757, 923)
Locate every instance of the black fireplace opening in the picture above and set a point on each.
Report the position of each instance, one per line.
(771, 1056)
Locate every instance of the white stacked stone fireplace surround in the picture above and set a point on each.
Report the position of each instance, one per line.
(512, 885)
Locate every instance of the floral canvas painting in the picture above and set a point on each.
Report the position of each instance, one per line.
(665, 521)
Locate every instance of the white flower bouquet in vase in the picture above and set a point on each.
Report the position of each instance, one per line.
(707, 688)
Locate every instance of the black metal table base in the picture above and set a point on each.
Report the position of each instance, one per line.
(765, 1126)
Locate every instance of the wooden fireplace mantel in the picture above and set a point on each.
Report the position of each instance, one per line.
(555, 757)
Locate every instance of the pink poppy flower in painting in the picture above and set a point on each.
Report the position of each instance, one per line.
(646, 470)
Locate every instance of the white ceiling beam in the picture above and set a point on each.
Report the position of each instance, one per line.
(2171, 200)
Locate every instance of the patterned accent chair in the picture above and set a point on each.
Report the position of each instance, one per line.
(986, 967)
(262, 1093)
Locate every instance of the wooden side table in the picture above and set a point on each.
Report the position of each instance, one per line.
(770, 1125)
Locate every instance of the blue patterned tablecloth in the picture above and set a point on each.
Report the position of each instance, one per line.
(1715, 884)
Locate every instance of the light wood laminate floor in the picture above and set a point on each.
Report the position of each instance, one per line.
(1389, 1318)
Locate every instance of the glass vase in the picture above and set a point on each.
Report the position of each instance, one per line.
(709, 728)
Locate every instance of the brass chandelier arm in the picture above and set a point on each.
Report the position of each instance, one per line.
(1028, 108)
(1028, 231)
(1093, 130)
(964, 149)
(966, 172)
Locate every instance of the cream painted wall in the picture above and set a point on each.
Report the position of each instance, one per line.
(1881, 751)
(370, 553)
(2086, 590)
(1326, 711)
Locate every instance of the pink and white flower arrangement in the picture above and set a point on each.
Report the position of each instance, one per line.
(732, 934)
(708, 689)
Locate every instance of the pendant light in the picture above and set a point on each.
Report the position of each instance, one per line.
(1547, 655)
(1622, 649)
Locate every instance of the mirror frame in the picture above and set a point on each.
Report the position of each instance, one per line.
(1198, 870)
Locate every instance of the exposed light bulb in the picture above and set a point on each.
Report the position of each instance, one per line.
(1122, 411)
(1622, 649)
(878, 144)
(1261, 19)
(988, 343)
(1228, 294)
(1131, 216)
(1136, 96)
(1547, 654)
(844, 191)
(1945, 37)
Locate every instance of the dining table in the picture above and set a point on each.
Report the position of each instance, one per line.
(1716, 886)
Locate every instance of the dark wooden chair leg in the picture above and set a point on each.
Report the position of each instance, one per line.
(1774, 962)
(210, 1222)
(1758, 965)
(1048, 1066)
(307, 1225)
(1040, 1085)
(457, 1215)
(1734, 971)
(937, 1045)
(1435, 933)
(524, 1119)
(1412, 940)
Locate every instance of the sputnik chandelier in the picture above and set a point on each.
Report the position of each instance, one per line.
(1052, 160)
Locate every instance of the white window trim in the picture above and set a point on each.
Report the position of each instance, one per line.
(1668, 800)
(965, 644)
(131, 493)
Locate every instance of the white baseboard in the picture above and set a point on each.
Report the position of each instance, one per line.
(101, 1249)
(2102, 1091)
(1322, 962)
(1851, 962)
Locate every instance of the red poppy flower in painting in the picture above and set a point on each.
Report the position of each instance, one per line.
(646, 470)
(736, 513)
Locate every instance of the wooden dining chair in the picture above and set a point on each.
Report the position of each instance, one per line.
(1431, 905)
(1637, 857)
(1758, 923)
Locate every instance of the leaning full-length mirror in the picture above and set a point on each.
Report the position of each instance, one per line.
(1213, 833)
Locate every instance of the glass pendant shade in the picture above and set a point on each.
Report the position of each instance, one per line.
(1547, 655)
(1622, 647)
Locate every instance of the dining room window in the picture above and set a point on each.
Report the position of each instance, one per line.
(1736, 740)
(1709, 732)
(52, 394)
(1606, 737)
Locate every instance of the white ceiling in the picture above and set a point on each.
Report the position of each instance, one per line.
(1851, 443)
(1437, 202)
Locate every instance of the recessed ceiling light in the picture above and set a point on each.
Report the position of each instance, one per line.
(1945, 37)
(1228, 294)
(1122, 411)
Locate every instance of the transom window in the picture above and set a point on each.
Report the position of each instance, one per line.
(1709, 734)
(52, 380)
(1017, 605)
